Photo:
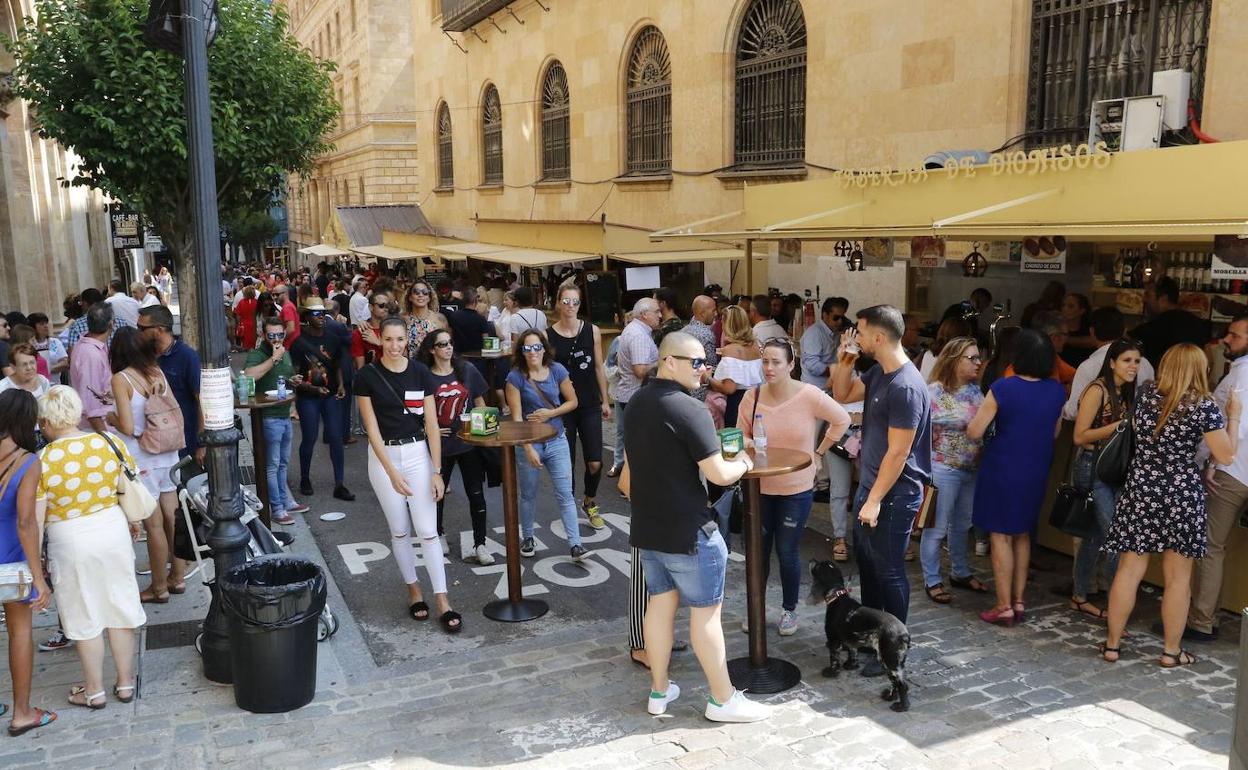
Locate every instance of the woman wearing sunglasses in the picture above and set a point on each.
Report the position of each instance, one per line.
(420, 307)
(397, 407)
(578, 348)
(457, 388)
(539, 390)
(791, 411)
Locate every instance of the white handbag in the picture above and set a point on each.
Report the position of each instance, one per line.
(135, 501)
(16, 581)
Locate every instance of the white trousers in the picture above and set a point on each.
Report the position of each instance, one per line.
(418, 512)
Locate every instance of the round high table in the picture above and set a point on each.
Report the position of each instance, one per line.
(515, 608)
(757, 673)
(490, 357)
(255, 406)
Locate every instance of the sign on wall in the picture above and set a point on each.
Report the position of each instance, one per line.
(1043, 254)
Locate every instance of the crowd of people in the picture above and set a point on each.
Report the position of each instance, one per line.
(973, 417)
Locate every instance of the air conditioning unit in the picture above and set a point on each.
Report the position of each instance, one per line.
(1133, 123)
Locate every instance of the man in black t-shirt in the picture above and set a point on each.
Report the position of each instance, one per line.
(669, 438)
(318, 356)
(468, 327)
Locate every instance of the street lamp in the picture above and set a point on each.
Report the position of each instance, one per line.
(187, 30)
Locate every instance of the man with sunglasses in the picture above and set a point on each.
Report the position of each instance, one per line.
(821, 340)
(266, 363)
(317, 356)
(181, 366)
(366, 337)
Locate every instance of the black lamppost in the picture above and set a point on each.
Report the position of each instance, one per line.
(187, 29)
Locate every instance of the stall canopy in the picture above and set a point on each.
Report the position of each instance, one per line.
(1174, 193)
(323, 251)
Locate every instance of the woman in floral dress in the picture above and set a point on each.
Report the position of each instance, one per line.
(1162, 507)
(421, 313)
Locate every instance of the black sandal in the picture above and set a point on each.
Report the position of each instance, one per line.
(452, 617)
(938, 594)
(1106, 650)
(1100, 614)
(970, 583)
(418, 608)
(1180, 658)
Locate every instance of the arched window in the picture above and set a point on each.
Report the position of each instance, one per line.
(446, 161)
(492, 136)
(556, 125)
(771, 86)
(650, 105)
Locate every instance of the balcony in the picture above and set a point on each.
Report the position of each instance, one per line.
(459, 15)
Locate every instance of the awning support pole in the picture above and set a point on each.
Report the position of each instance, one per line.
(820, 215)
(749, 267)
(996, 207)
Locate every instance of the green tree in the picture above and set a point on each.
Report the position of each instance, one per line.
(98, 88)
(249, 228)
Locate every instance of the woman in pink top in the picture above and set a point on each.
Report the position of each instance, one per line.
(791, 411)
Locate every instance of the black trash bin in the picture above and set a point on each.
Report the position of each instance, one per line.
(273, 604)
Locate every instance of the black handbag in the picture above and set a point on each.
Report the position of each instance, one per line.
(1074, 510)
(1114, 461)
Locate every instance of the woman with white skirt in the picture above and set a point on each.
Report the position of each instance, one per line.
(90, 545)
(399, 412)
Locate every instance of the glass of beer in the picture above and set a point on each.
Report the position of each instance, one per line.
(850, 351)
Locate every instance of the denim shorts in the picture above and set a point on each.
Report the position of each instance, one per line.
(699, 577)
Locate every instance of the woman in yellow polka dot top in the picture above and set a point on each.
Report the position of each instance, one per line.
(90, 546)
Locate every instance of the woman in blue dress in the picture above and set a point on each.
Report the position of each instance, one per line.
(1014, 470)
(19, 541)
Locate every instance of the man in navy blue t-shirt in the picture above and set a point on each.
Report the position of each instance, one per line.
(896, 453)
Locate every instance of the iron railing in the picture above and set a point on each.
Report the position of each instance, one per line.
(770, 125)
(649, 105)
(556, 125)
(446, 155)
(492, 137)
(459, 15)
(1083, 51)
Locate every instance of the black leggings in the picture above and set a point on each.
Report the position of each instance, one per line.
(472, 474)
(587, 422)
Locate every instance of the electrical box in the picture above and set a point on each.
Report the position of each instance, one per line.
(1133, 123)
(1176, 87)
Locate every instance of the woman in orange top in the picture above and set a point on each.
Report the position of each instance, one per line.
(791, 411)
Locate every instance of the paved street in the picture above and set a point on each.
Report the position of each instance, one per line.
(559, 692)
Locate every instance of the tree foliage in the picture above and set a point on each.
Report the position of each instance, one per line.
(249, 228)
(98, 88)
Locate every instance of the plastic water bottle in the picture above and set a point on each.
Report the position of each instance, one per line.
(760, 435)
(281, 387)
(241, 388)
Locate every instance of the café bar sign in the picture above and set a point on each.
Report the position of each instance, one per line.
(1020, 163)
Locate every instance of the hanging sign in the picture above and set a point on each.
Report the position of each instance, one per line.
(927, 251)
(1230, 257)
(1043, 254)
(789, 251)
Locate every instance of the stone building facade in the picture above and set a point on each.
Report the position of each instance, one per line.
(54, 240)
(376, 141)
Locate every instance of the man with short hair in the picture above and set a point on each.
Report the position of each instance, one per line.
(181, 367)
(526, 316)
(1106, 326)
(1228, 497)
(699, 327)
(637, 354)
(78, 328)
(267, 363)
(1169, 324)
(820, 341)
(125, 307)
(287, 311)
(895, 459)
(358, 305)
(366, 338)
(468, 327)
(669, 318)
(89, 370)
(138, 292)
(317, 356)
(677, 542)
(1050, 324)
(760, 315)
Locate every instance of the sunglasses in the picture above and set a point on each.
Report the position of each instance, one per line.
(316, 313)
(278, 336)
(380, 304)
(697, 362)
(974, 359)
(442, 344)
(571, 301)
(536, 347)
(145, 327)
(421, 292)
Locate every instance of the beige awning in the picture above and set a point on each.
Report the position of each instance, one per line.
(389, 252)
(323, 250)
(671, 257)
(512, 255)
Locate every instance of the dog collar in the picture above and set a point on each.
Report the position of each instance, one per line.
(832, 597)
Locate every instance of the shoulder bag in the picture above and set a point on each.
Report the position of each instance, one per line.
(135, 501)
(1113, 462)
(16, 580)
(1074, 510)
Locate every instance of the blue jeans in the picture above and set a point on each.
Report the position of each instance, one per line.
(617, 459)
(784, 520)
(558, 462)
(881, 552)
(699, 576)
(1090, 547)
(313, 411)
(278, 433)
(954, 504)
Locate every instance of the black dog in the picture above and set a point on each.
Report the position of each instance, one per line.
(848, 625)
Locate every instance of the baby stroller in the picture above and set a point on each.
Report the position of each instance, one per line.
(190, 540)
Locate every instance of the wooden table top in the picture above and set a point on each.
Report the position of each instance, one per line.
(777, 461)
(512, 433)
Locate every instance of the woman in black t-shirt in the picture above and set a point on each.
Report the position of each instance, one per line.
(457, 388)
(578, 346)
(397, 407)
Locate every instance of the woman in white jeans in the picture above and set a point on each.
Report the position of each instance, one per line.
(397, 407)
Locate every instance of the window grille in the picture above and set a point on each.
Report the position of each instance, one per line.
(556, 128)
(650, 105)
(771, 86)
(492, 136)
(446, 161)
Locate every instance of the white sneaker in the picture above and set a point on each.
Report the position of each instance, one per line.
(788, 623)
(657, 704)
(481, 556)
(737, 709)
(981, 547)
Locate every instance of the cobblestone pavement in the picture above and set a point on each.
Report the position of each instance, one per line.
(1033, 696)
